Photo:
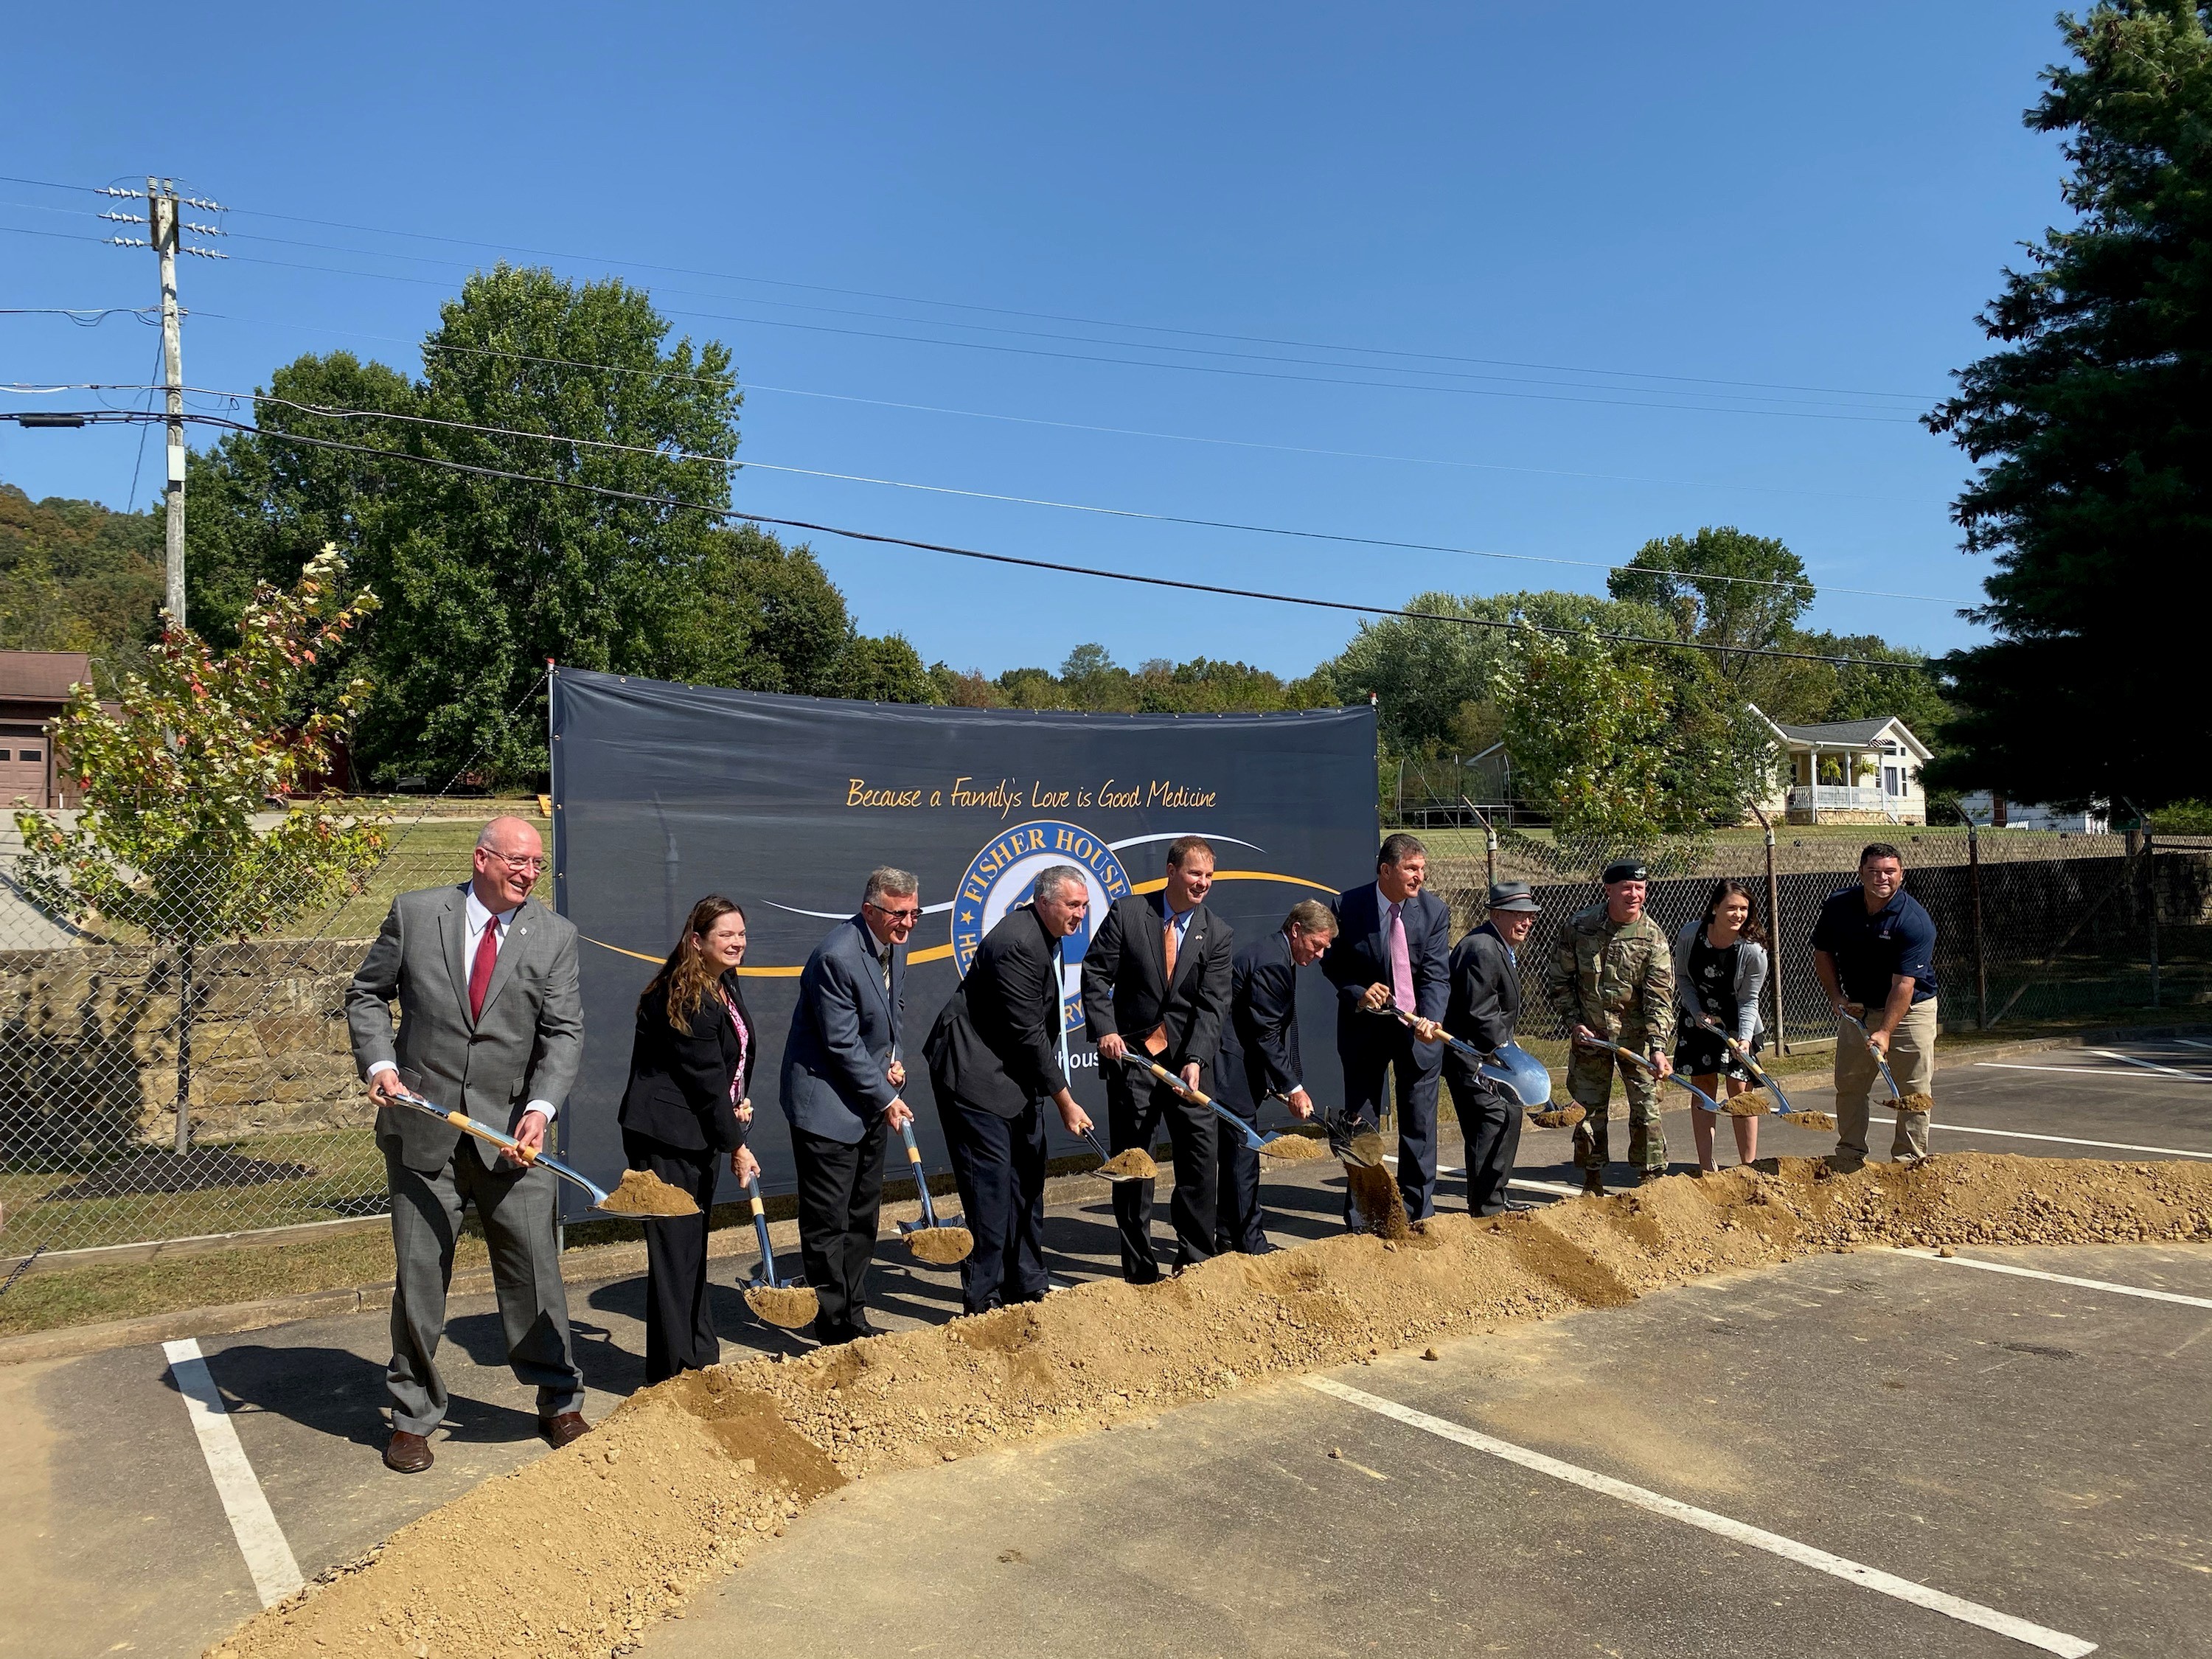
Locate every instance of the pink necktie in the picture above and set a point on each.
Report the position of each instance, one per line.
(1402, 964)
(480, 970)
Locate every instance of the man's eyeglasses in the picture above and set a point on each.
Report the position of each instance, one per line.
(532, 865)
(894, 916)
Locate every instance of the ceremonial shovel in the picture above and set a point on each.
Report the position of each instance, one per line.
(1519, 1071)
(785, 1302)
(1266, 1145)
(1786, 1111)
(1674, 1077)
(931, 1240)
(1897, 1097)
(613, 1203)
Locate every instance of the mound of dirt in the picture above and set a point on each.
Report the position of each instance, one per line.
(1136, 1162)
(572, 1555)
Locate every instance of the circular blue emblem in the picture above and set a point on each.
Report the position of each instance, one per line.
(1000, 878)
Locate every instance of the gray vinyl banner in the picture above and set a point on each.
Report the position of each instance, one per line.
(663, 794)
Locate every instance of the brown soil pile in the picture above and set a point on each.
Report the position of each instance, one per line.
(1820, 1121)
(1751, 1102)
(1559, 1117)
(1375, 1195)
(1295, 1149)
(942, 1245)
(642, 1193)
(781, 1305)
(1135, 1164)
(572, 1554)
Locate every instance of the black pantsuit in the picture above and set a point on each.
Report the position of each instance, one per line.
(679, 1120)
(998, 1164)
(1486, 1001)
(679, 1318)
(841, 1190)
(1136, 1107)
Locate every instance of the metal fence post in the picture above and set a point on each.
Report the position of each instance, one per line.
(1774, 922)
(2150, 875)
(1981, 963)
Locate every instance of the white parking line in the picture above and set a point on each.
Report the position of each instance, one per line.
(2070, 1071)
(2063, 1140)
(268, 1557)
(2151, 1065)
(1873, 1579)
(2060, 1278)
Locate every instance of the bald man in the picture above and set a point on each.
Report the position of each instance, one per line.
(491, 1024)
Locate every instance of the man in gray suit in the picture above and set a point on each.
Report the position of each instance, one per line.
(841, 1078)
(491, 1023)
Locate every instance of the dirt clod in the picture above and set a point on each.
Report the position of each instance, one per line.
(1559, 1117)
(942, 1245)
(641, 1193)
(1135, 1162)
(680, 1510)
(1431, 1353)
(783, 1305)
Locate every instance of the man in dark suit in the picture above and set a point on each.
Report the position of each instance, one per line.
(1156, 984)
(1259, 1057)
(491, 1024)
(841, 1078)
(1486, 1001)
(1391, 944)
(994, 1060)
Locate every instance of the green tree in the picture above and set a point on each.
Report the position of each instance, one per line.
(197, 743)
(77, 576)
(2092, 431)
(1623, 743)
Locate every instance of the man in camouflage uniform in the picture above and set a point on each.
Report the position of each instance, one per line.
(1612, 980)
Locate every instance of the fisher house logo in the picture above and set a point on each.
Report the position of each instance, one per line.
(1001, 876)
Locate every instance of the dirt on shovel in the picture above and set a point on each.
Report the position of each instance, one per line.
(1820, 1121)
(785, 1305)
(1751, 1102)
(1135, 1162)
(1559, 1117)
(641, 1193)
(942, 1246)
(1295, 1149)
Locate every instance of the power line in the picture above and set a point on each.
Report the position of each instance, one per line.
(1003, 311)
(666, 503)
(341, 412)
(84, 316)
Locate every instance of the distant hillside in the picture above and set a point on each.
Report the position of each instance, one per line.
(76, 576)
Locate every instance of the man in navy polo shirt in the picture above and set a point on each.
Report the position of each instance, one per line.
(1874, 951)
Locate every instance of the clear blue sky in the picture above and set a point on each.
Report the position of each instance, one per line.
(1585, 200)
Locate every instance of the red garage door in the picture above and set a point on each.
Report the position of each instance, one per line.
(22, 764)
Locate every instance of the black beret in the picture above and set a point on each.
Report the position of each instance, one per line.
(1626, 870)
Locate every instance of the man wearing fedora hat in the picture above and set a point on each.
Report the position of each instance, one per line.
(1612, 983)
(1486, 1001)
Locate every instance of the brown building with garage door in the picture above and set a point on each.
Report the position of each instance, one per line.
(34, 689)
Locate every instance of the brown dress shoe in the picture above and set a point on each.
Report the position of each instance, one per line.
(563, 1428)
(407, 1454)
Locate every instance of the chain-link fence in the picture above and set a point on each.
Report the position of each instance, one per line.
(105, 1028)
(112, 1035)
(2030, 926)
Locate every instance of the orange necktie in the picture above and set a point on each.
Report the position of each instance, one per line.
(1156, 1041)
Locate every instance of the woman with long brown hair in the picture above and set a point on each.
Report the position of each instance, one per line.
(685, 1110)
(1720, 966)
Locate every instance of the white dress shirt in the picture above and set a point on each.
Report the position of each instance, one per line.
(477, 919)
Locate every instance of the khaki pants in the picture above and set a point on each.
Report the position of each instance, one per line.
(1911, 1062)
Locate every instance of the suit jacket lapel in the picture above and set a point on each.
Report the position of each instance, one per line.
(453, 926)
(510, 946)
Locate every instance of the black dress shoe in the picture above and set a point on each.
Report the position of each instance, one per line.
(860, 1325)
(829, 1333)
(407, 1454)
(1265, 1247)
(1143, 1276)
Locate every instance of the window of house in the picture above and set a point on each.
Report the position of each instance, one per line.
(4, 754)
(1892, 780)
(27, 754)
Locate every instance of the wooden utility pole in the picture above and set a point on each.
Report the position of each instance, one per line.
(165, 227)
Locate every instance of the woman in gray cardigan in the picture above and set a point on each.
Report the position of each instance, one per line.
(1720, 967)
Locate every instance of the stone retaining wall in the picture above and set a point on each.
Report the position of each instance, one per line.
(89, 1044)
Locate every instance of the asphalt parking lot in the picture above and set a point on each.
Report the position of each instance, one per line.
(2028, 1447)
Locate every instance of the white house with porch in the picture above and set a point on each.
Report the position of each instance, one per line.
(1849, 772)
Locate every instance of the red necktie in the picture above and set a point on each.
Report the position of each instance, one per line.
(480, 972)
